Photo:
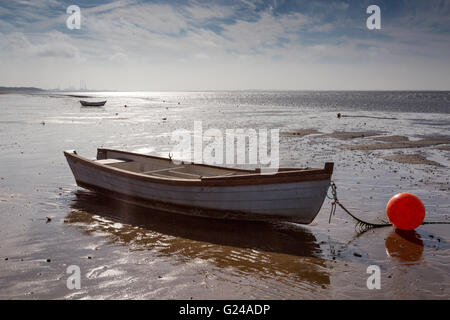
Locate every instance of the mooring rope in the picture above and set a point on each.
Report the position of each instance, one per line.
(361, 224)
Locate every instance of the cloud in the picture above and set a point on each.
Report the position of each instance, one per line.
(201, 13)
(18, 45)
(231, 37)
(326, 27)
(202, 56)
(118, 57)
(268, 31)
(155, 18)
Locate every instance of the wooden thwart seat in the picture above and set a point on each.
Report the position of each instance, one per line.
(161, 170)
(172, 173)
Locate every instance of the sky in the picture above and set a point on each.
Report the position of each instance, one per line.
(137, 45)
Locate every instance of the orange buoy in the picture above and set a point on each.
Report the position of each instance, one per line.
(405, 211)
(339, 115)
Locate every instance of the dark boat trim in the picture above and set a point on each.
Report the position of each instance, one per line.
(247, 178)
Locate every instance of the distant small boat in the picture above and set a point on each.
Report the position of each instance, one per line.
(92, 104)
(291, 194)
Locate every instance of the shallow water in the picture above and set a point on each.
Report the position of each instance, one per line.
(125, 251)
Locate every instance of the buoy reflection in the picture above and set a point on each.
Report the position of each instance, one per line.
(404, 245)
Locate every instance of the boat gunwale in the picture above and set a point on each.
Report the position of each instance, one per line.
(251, 178)
(257, 171)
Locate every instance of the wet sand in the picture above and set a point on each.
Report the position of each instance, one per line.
(298, 132)
(398, 145)
(391, 138)
(349, 135)
(128, 252)
(411, 159)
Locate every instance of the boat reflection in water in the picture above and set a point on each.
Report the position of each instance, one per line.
(258, 248)
(406, 246)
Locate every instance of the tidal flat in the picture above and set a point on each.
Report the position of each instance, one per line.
(47, 223)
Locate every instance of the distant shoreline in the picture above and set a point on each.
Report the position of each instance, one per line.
(20, 90)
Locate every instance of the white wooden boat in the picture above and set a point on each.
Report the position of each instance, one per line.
(202, 190)
(92, 104)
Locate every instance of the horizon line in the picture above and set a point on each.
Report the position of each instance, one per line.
(29, 88)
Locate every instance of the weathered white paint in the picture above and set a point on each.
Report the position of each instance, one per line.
(298, 199)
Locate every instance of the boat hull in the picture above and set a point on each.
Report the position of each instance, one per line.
(92, 104)
(296, 201)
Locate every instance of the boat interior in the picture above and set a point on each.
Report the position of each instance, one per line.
(166, 168)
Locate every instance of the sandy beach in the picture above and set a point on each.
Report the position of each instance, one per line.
(127, 252)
